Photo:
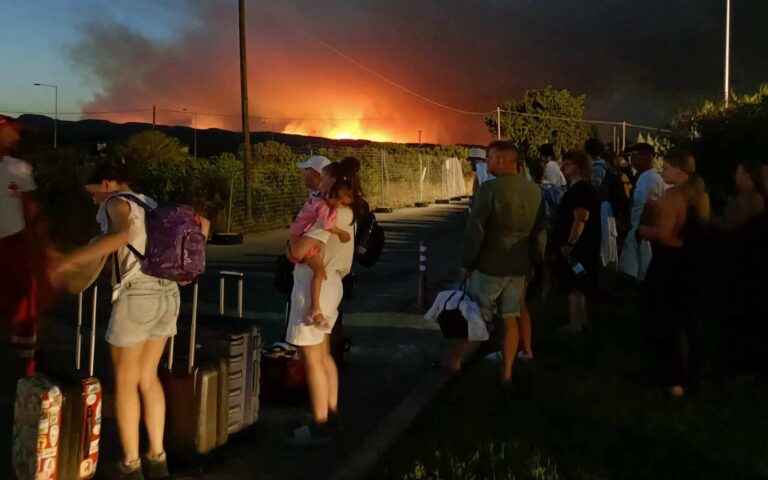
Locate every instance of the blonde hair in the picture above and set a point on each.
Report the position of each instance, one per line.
(693, 189)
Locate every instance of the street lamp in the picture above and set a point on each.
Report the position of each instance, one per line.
(55, 110)
(727, 48)
(195, 128)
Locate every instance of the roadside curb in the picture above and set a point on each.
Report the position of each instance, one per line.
(370, 452)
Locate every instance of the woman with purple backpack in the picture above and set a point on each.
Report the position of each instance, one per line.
(144, 313)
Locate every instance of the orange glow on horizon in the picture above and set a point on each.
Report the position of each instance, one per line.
(338, 130)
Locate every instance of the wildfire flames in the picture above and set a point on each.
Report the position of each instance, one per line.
(340, 130)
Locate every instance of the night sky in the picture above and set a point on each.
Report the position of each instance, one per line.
(636, 61)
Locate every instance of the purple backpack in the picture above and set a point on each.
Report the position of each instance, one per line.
(175, 248)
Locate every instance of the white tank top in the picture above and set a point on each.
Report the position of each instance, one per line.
(130, 267)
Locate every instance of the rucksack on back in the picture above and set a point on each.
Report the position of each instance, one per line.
(369, 241)
(175, 248)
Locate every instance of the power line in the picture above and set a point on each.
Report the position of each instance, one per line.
(580, 120)
(391, 82)
(259, 117)
(457, 110)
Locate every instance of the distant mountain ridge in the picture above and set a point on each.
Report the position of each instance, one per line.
(37, 131)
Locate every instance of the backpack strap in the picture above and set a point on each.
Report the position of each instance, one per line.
(115, 269)
(130, 198)
(133, 198)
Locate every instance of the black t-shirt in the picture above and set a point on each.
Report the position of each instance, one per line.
(580, 195)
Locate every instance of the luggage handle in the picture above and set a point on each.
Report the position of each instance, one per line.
(222, 280)
(79, 342)
(192, 335)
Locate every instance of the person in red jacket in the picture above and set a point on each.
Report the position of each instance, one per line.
(18, 284)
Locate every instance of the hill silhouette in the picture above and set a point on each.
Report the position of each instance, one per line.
(37, 132)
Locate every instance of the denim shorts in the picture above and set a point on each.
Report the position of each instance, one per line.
(500, 295)
(145, 308)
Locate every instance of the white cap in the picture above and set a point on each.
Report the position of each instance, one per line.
(315, 162)
(478, 153)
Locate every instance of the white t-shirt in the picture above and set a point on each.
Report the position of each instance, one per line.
(16, 175)
(554, 175)
(130, 266)
(338, 256)
(649, 186)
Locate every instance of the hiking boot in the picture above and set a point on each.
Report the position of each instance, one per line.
(156, 468)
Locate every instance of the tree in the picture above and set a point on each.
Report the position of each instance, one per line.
(151, 148)
(158, 163)
(531, 121)
(720, 137)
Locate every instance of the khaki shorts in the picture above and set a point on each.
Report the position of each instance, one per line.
(143, 309)
(496, 294)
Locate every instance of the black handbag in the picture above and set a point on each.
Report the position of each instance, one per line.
(348, 284)
(283, 274)
(452, 322)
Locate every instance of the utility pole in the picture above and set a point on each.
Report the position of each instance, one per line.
(498, 123)
(419, 137)
(195, 129)
(727, 50)
(623, 136)
(154, 116)
(244, 110)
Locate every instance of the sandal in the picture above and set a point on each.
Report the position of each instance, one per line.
(308, 435)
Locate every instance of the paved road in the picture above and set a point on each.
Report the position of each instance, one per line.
(391, 349)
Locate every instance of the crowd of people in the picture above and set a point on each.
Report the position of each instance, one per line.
(556, 221)
(145, 309)
(550, 223)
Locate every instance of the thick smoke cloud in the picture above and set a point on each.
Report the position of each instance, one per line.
(639, 61)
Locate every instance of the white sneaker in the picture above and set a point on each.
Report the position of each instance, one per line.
(523, 355)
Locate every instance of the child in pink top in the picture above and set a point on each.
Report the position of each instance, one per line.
(318, 213)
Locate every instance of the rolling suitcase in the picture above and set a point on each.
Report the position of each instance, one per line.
(57, 419)
(239, 342)
(192, 398)
(284, 375)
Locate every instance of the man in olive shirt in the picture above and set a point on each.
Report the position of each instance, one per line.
(505, 217)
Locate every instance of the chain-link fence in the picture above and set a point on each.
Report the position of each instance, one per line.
(394, 178)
